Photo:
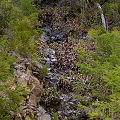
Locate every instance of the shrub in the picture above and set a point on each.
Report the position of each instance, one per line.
(101, 91)
(18, 21)
(27, 7)
(93, 34)
(23, 38)
(5, 13)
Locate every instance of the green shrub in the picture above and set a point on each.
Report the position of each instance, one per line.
(23, 38)
(55, 116)
(9, 101)
(102, 90)
(18, 21)
(108, 44)
(93, 34)
(5, 13)
(43, 72)
(105, 110)
(27, 7)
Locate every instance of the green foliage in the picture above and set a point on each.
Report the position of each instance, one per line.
(101, 97)
(112, 77)
(44, 71)
(55, 116)
(5, 12)
(92, 33)
(23, 38)
(27, 7)
(6, 61)
(110, 10)
(18, 21)
(107, 45)
(4, 70)
(105, 110)
(9, 101)
(15, 14)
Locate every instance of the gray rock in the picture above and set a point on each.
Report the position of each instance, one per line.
(42, 115)
(45, 117)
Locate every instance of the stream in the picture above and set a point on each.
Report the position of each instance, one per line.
(58, 96)
(55, 99)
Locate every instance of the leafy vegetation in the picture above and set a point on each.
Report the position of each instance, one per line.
(101, 98)
(55, 116)
(18, 21)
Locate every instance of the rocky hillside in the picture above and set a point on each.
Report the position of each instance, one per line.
(59, 60)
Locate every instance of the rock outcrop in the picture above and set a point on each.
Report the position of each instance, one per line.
(29, 108)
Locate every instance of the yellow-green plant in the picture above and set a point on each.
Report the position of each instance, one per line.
(55, 116)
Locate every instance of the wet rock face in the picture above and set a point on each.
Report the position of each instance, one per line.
(58, 88)
(58, 95)
(52, 30)
(57, 36)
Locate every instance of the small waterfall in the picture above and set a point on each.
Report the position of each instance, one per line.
(102, 16)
